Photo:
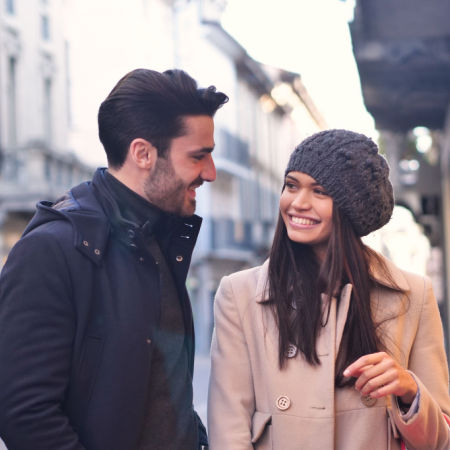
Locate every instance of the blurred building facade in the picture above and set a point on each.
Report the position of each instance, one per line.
(35, 162)
(402, 50)
(269, 112)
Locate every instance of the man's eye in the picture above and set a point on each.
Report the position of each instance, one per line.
(290, 185)
(320, 191)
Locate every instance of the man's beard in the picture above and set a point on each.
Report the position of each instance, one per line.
(165, 190)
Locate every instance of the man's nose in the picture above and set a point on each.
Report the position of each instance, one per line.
(209, 169)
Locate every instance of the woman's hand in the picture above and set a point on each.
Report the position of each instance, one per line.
(378, 375)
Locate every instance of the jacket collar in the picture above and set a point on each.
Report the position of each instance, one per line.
(389, 276)
(92, 225)
(168, 228)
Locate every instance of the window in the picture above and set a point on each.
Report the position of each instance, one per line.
(11, 101)
(48, 168)
(10, 6)
(45, 28)
(47, 107)
(68, 85)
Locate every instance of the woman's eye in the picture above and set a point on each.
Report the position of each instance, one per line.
(320, 191)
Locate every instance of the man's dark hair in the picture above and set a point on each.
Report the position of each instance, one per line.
(151, 105)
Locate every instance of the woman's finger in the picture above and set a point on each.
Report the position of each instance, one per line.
(370, 373)
(357, 367)
(379, 382)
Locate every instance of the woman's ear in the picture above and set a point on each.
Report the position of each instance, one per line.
(142, 153)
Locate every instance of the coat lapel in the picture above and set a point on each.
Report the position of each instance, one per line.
(344, 304)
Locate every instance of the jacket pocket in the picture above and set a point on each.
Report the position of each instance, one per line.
(261, 423)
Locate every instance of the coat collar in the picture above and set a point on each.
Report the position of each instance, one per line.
(382, 271)
(262, 286)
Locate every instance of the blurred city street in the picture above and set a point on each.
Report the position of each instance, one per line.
(201, 379)
(290, 69)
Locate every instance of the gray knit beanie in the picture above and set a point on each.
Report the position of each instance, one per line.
(354, 174)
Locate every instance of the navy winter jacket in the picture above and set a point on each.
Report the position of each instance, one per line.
(79, 302)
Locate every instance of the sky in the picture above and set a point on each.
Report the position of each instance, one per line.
(310, 37)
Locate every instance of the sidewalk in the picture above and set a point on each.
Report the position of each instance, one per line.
(201, 379)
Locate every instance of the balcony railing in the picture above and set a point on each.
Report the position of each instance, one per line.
(233, 148)
(229, 235)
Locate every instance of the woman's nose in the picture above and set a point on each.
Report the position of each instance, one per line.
(302, 200)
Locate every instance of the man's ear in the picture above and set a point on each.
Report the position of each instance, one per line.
(142, 153)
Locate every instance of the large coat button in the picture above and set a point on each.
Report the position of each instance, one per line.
(368, 401)
(283, 402)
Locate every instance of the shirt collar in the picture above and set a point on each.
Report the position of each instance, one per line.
(133, 207)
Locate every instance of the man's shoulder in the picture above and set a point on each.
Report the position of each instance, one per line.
(76, 221)
(63, 213)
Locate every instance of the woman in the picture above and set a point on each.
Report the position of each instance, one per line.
(328, 345)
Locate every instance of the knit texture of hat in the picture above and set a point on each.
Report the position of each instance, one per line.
(353, 173)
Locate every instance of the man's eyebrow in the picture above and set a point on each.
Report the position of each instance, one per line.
(203, 150)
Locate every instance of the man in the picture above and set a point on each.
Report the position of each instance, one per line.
(96, 332)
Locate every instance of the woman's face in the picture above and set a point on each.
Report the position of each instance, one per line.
(307, 211)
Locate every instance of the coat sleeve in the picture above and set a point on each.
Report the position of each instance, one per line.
(231, 402)
(37, 323)
(427, 428)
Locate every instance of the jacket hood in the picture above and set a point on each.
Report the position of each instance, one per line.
(81, 209)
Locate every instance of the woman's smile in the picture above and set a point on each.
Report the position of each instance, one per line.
(307, 211)
(303, 221)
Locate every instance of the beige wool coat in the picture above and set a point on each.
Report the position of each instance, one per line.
(253, 404)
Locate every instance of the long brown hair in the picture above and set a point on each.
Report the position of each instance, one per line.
(296, 280)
